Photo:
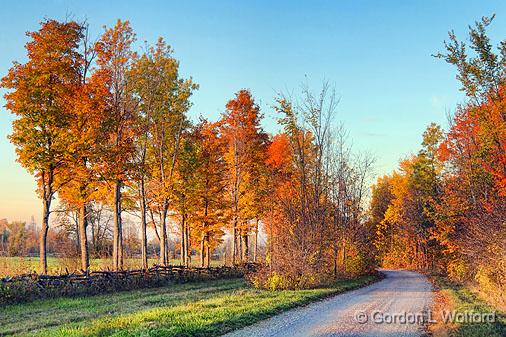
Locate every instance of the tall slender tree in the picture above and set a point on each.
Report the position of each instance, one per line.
(114, 58)
(88, 114)
(39, 95)
(211, 207)
(164, 101)
(245, 138)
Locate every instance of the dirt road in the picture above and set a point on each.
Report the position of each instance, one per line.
(393, 307)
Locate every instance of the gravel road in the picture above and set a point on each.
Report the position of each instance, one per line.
(389, 306)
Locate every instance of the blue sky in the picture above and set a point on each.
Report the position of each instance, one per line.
(376, 53)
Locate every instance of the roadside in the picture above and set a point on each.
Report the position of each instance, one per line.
(195, 309)
(451, 299)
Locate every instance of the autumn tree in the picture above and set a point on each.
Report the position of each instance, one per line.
(211, 204)
(17, 239)
(88, 116)
(245, 148)
(38, 96)
(381, 199)
(279, 163)
(470, 222)
(185, 186)
(404, 208)
(348, 175)
(114, 58)
(312, 214)
(307, 124)
(163, 98)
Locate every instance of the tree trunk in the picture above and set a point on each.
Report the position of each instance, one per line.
(163, 237)
(234, 241)
(240, 251)
(167, 250)
(336, 252)
(83, 240)
(78, 235)
(43, 236)
(202, 246)
(183, 242)
(255, 248)
(271, 242)
(245, 248)
(188, 245)
(344, 256)
(144, 243)
(121, 250)
(144, 236)
(208, 253)
(116, 241)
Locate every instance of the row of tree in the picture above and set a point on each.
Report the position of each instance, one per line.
(99, 124)
(445, 208)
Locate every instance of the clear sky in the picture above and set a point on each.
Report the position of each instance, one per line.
(376, 53)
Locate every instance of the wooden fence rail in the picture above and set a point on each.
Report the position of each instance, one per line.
(29, 287)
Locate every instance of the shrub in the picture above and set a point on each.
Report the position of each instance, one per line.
(457, 270)
(283, 280)
(491, 284)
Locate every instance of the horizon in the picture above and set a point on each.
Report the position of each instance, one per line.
(390, 86)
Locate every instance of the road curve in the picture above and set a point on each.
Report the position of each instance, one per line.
(390, 307)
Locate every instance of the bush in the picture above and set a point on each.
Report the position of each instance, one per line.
(359, 263)
(491, 284)
(457, 270)
(264, 278)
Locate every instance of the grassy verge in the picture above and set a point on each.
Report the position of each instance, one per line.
(458, 298)
(198, 309)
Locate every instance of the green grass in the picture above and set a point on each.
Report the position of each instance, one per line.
(23, 265)
(464, 300)
(194, 309)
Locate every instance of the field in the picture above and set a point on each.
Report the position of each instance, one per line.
(459, 298)
(24, 265)
(193, 309)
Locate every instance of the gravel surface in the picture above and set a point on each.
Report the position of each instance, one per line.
(389, 306)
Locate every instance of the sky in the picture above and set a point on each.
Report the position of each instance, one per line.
(377, 54)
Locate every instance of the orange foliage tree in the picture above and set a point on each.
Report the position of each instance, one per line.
(245, 143)
(211, 203)
(308, 221)
(471, 225)
(114, 57)
(40, 92)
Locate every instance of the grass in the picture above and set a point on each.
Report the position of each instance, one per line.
(459, 298)
(24, 265)
(194, 309)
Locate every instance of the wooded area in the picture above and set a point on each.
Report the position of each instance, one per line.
(100, 125)
(444, 209)
(104, 128)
